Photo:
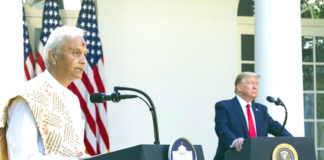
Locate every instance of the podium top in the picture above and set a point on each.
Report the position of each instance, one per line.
(143, 152)
(264, 147)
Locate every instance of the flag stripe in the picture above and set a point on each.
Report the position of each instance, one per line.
(90, 80)
(28, 77)
(40, 63)
(101, 126)
(90, 150)
(87, 83)
(81, 89)
(91, 137)
(98, 80)
(101, 70)
(29, 66)
(30, 63)
(84, 108)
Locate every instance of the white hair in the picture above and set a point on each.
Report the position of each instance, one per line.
(58, 38)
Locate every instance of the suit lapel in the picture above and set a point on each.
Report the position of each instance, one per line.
(239, 112)
(257, 116)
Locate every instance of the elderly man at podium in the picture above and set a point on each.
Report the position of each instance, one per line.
(44, 120)
(240, 117)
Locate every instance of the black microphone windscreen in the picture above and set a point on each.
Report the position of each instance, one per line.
(96, 98)
(270, 99)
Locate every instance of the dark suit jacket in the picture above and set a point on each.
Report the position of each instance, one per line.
(231, 124)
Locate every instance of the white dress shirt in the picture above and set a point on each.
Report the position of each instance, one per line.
(23, 138)
(243, 104)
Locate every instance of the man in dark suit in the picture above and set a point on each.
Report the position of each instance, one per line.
(239, 118)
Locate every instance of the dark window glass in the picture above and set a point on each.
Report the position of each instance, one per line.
(247, 67)
(320, 155)
(318, 11)
(307, 48)
(320, 134)
(245, 8)
(304, 13)
(319, 49)
(308, 105)
(247, 47)
(61, 4)
(308, 77)
(320, 108)
(319, 77)
(309, 129)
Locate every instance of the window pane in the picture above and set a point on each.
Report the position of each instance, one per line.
(247, 43)
(308, 77)
(320, 155)
(247, 67)
(246, 8)
(37, 33)
(320, 134)
(318, 11)
(307, 48)
(303, 6)
(309, 129)
(319, 49)
(306, 14)
(308, 105)
(320, 77)
(320, 106)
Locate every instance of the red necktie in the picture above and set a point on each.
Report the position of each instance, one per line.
(250, 120)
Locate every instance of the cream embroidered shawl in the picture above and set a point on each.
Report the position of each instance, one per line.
(52, 118)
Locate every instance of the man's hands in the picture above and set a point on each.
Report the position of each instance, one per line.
(238, 144)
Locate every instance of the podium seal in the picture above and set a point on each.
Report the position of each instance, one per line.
(284, 151)
(182, 149)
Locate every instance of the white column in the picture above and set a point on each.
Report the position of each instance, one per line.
(12, 55)
(278, 59)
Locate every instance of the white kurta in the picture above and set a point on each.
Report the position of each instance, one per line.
(23, 138)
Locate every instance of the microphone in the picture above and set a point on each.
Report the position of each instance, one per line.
(115, 97)
(279, 102)
(273, 100)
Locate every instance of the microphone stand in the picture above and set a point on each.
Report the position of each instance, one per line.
(152, 109)
(279, 102)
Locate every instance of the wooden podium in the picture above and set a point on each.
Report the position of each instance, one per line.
(143, 152)
(262, 148)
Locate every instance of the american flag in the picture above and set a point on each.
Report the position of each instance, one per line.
(51, 20)
(29, 65)
(96, 137)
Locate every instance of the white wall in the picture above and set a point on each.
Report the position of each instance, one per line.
(11, 44)
(182, 53)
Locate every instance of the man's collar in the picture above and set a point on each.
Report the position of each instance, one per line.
(56, 84)
(242, 101)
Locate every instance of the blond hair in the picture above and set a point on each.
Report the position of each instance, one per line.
(240, 78)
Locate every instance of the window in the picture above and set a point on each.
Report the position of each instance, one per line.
(313, 84)
(247, 50)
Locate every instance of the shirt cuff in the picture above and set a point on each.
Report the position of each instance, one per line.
(232, 145)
